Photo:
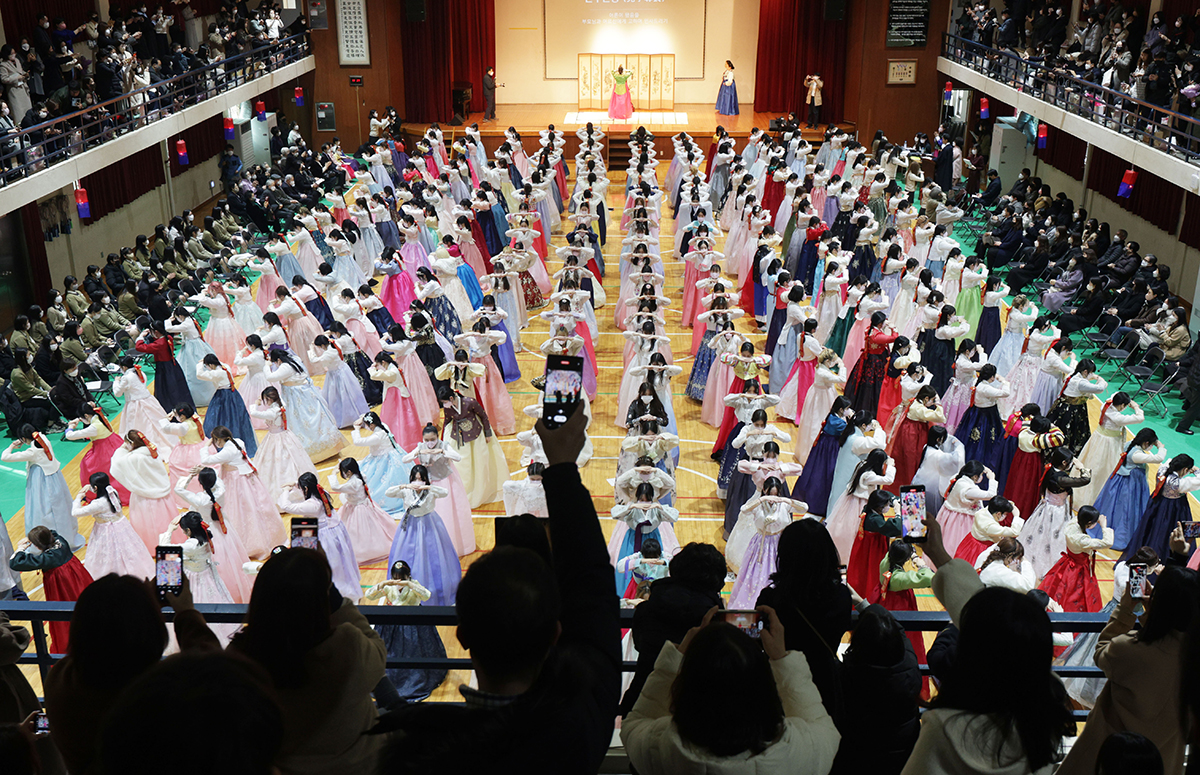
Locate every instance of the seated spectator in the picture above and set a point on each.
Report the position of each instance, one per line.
(812, 603)
(721, 702)
(1086, 310)
(1032, 268)
(676, 604)
(991, 194)
(17, 697)
(34, 394)
(1128, 753)
(323, 659)
(70, 394)
(544, 644)
(971, 727)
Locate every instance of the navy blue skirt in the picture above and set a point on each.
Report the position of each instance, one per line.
(817, 477)
(320, 310)
(170, 386)
(228, 408)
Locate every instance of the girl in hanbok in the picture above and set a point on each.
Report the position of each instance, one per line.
(370, 528)
(113, 546)
(1024, 375)
(971, 296)
(527, 496)
(1016, 342)
(376, 313)
(309, 415)
(1043, 532)
(830, 375)
(1168, 506)
(364, 250)
(748, 443)
(940, 326)
(1124, 497)
(350, 312)
(431, 292)
(345, 269)
(191, 354)
(200, 567)
(800, 377)
(1070, 410)
(441, 463)
(384, 466)
(269, 276)
(408, 640)
(249, 507)
(869, 359)
(897, 585)
(862, 435)
(1057, 364)
(300, 327)
(398, 409)
(915, 286)
(226, 543)
(421, 539)
(305, 293)
(94, 425)
(829, 295)
(342, 393)
(468, 432)
(47, 499)
(968, 491)
(767, 516)
(247, 313)
(647, 442)
(141, 410)
(488, 387)
(981, 430)
(503, 351)
(876, 526)
(228, 407)
(969, 359)
(151, 498)
(282, 258)
(307, 254)
(941, 460)
(872, 473)
(912, 420)
(306, 498)
(987, 333)
(891, 390)
(399, 289)
(1071, 582)
(1106, 445)
(636, 522)
(816, 480)
(224, 334)
(253, 360)
(996, 521)
(709, 378)
(658, 374)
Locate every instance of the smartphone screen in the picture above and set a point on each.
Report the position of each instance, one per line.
(1137, 580)
(912, 512)
(42, 724)
(168, 570)
(564, 384)
(1191, 530)
(749, 622)
(304, 533)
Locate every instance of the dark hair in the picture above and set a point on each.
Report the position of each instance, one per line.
(878, 639)
(1176, 597)
(700, 567)
(724, 668)
(288, 614)
(117, 631)
(1128, 753)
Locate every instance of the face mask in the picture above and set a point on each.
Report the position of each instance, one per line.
(29, 358)
(53, 347)
(24, 46)
(431, 444)
(43, 114)
(45, 25)
(646, 399)
(191, 218)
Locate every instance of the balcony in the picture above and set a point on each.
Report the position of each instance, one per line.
(1160, 141)
(48, 157)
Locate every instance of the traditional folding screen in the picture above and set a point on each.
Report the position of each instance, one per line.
(652, 86)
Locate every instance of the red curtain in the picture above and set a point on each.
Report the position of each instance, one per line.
(1064, 151)
(473, 49)
(425, 48)
(794, 41)
(204, 141)
(117, 185)
(1189, 232)
(1156, 199)
(35, 249)
(20, 16)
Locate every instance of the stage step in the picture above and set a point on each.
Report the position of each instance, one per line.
(619, 153)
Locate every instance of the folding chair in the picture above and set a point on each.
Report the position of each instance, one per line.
(1124, 349)
(1154, 389)
(1144, 369)
(1105, 326)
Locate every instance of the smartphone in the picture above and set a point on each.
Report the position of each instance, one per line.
(41, 723)
(1191, 530)
(304, 533)
(564, 386)
(749, 622)
(168, 570)
(842, 572)
(1137, 580)
(912, 512)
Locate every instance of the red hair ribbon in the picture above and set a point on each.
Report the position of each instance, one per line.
(225, 369)
(40, 440)
(199, 426)
(141, 376)
(1158, 488)
(1103, 412)
(146, 443)
(1120, 463)
(100, 413)
(1025, 346)
(216, 510)
(283, 415)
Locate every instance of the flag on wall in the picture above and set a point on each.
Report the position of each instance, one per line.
(983, 108)
(1042, 131)
(1127, 181)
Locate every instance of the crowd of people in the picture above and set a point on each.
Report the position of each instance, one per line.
(842, 346)
(55, 71)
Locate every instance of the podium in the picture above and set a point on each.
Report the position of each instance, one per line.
(651, 88)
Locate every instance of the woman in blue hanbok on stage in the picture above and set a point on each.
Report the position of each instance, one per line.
(727, 97)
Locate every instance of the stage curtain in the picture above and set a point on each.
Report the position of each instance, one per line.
(473, 44)
(117, 185)
(1064, 151)
(425, 48)
(1189, 232)
(1156, 199)
(35, 249)
(20, 17)
(794, 40)
(204, 141)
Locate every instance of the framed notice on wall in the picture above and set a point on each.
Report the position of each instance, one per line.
(902, 71)
(908, 23)
(353, 47)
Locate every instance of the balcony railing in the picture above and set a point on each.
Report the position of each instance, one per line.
(1161, 128)
(37, 612)
(30, 150)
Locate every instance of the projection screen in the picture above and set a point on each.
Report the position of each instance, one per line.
(576, 27)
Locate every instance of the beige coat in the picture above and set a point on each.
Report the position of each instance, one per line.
(1142, 694)
(814, 92)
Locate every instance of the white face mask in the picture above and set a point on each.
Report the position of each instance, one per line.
(191, 218)
(431, 444)
(645, 399)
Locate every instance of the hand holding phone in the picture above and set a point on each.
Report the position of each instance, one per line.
(749, 622)
(304, 533)
(912, 512)
(1191, 530)
(564, 388)
(1137, 580)
(168, 571)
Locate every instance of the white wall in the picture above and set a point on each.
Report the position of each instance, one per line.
(731, 33)
(89, 244)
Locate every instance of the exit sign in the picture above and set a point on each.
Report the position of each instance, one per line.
(356, 81)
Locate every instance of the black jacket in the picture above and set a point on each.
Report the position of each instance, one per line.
(564, 723)
(667, 615)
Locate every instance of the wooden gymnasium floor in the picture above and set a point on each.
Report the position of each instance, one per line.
(701, 512)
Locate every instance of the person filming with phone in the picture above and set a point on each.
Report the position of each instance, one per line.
(731, 698)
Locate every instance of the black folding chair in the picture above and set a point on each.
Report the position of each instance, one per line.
(1143, 369)
(1154, 389)
(1123, 350)
(1105, 326)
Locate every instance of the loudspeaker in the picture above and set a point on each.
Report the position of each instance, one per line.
(415, 10)
(835, 10)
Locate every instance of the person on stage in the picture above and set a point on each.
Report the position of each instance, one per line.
(812, 86)
(621, 104)
(489, 94)
(727, 97)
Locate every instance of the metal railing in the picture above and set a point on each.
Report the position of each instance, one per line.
(36, 612)
(33, 149)
(1164, 129)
